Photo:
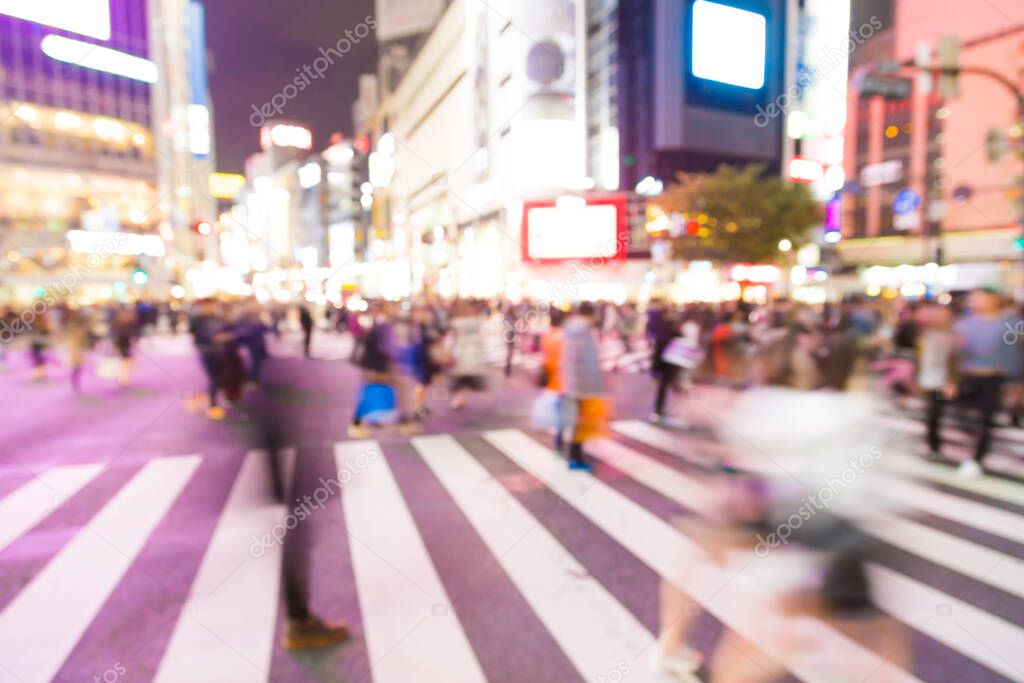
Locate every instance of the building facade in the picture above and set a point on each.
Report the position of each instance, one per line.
(933, 180)
(86, 109)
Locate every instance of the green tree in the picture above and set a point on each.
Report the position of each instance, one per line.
(745, 213)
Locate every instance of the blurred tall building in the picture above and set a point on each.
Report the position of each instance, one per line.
(933, 176)
(692, 78)
(101, 131)
(403, 27)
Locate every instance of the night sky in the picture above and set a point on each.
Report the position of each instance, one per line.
(257, 45)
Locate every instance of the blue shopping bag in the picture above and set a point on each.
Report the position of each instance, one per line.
(377, 404)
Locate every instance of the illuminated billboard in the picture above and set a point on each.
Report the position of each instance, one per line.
(286, 135)
(99, 58)
(729, 45)
(85, 17)
(574, 228)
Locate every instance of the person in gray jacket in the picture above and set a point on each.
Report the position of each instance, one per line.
(582, 377)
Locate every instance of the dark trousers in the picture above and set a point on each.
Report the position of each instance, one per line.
(983, 393)
(213, 366)
(256, 358)
(510, 349)
(934, 420)
(297, 543)
(307, 338)
(665, 377)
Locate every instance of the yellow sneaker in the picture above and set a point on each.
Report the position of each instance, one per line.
(358, 432)
(216, 413)
(313, 632)
(409, 428)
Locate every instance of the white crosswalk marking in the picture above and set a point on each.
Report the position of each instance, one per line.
(34, 500)
(984, 517)
(979, 635)
(595, 631)
(997, 489)
(226, 629)
(412, 631)
(662, 440)
(41, 626)
(970, 559)
(742, 606)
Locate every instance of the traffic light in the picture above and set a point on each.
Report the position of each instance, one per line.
(140, 277)
(1018, 242)
(202, 227)
(948, 53)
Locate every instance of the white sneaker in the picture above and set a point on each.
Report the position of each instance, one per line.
(969, 469)
(681, 664)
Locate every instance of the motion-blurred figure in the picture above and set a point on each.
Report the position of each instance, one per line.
(78, 337)
(583, 384)
(207, 330)
(272, 428)
(468, 352)
(38, 344)
(124, 331)
(306, 322)
(984, 362)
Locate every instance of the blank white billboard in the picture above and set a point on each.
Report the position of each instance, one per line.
(589, 231)
(85, 17)
(729, 45)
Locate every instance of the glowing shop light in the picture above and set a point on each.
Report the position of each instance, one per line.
(108, 129)
(309, 175)
(650, 187)
(805, 170)
(226, 185)
(65, 120)
(27, 114)
(99, 58)
(286, 135)
(115, 243)
(198, 130)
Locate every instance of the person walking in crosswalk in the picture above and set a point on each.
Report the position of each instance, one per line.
(78, 337)
(985, 360)
(208, 334)
(583, 384)
(306, 322)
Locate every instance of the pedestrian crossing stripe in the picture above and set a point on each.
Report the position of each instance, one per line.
(43, 623)
(226, 626)
(961, 510)
(1004, 641)
(723, 592)
(30, 503)
(593, 629)
(411, 630)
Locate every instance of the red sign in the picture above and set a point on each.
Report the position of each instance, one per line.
(573, 228)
